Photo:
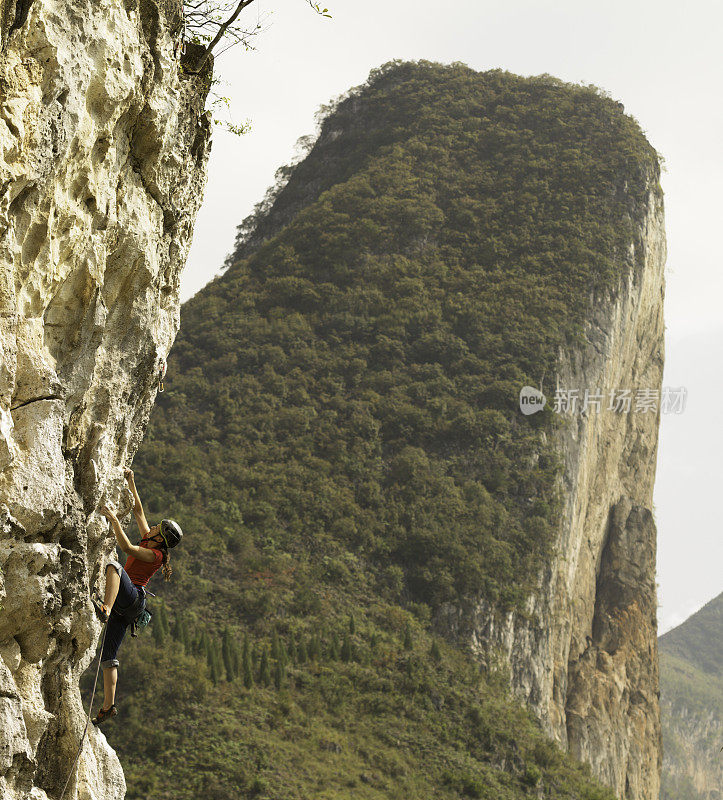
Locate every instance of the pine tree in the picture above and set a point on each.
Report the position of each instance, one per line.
(215, 671)
(334, 650)
(303, 655)
(185, 635)
(157, 629)
(207, 648)
(293, 652)
(157, 634)
(435, 652)
(235, 658)
(264, 669)
(218, 659)
(314, 648)
(283, 657)
(346, 650)
(408, 644)
(227, 654)
(248, 673)
(275, 645)
(352, 624)
(180, 632)
(279, 674)
(373, 641)
(163, 620)
(213, 660)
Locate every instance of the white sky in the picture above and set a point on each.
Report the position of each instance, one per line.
(662, 59)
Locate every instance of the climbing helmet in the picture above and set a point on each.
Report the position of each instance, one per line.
(171, 532)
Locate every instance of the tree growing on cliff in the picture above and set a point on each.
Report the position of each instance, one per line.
(214, 23)
(211, 27)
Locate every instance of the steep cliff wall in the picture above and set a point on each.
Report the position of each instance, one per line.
(586, 657)
(692, 768)
(103, 149)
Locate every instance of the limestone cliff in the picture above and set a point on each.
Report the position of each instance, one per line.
(103, 148)
(585, 655)
(692, 768)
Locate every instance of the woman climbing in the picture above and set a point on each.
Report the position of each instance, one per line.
(125, 596)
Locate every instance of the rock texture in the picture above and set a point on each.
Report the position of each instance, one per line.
(585, 655)
(692, 761)
(103, 149)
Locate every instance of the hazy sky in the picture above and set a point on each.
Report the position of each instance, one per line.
(661, 59)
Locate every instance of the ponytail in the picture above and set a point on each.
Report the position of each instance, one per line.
(166, 568)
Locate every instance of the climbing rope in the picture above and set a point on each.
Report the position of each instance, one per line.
(90, 711)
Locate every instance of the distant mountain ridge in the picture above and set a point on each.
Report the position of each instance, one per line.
(699, 640)
(691, 701)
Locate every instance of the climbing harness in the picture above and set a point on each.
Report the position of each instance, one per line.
(161, 375)
(143, 617)
(134, 618)
(90, 711)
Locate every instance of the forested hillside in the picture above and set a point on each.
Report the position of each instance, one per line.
(341, 441)
(691, 704)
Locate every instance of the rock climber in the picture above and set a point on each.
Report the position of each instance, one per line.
(125, 596)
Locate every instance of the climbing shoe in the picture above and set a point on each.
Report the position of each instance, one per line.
(102, 611)
(104, 714)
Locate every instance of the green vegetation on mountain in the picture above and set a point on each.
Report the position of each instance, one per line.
(691, 704)
(330, 715)
(699, 640)
(341, 440)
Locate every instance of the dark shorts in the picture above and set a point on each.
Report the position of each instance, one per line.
(129, 603)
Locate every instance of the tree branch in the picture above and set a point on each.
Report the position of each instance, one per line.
(221, 31)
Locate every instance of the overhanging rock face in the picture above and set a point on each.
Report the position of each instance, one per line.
(103, 150)
(584, 657)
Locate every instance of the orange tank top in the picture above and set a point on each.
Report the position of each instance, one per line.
(140, 572)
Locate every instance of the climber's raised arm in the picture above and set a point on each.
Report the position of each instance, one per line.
(138, 513)
(141, 553)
